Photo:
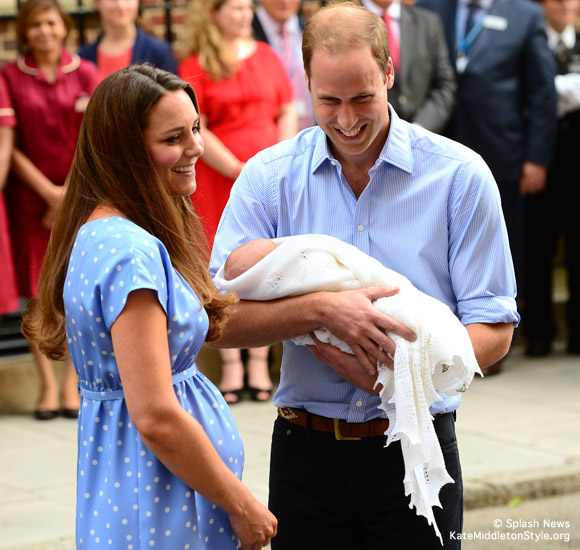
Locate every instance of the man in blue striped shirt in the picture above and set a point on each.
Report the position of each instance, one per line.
(422, 205)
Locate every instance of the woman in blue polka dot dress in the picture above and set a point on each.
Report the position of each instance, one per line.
(160, 458)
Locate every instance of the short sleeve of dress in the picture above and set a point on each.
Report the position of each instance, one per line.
(7, 112)
(121, 258)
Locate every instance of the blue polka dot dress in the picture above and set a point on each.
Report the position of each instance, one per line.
(127, 499)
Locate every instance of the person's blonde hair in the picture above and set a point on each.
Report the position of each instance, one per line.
(203, 38)
(111, 166)
(341, 27)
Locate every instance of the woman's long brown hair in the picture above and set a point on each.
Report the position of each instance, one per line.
(111, 167)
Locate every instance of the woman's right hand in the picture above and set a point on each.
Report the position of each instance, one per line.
(254, 524)
(49, 218)
(53, 199)
(54, 195)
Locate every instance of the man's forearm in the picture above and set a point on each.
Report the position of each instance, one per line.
(491, 342)
(349, 315)
(255, 324)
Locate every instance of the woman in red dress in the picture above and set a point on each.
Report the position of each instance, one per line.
(49, 89)
(246, 105)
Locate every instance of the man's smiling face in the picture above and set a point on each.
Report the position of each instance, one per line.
(349, 95)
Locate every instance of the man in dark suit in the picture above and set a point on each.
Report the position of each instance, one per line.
(424, 88)
(558, 205)
(506, 100)
(278, 23)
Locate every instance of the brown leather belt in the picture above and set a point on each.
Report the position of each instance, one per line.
(341, 429)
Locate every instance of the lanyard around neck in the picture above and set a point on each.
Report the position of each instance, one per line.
(464, 42)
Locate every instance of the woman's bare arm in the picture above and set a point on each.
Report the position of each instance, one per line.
(175, 437)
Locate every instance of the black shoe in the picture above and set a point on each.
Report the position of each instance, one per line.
(45, 415)
(539, 347)
(70, 413)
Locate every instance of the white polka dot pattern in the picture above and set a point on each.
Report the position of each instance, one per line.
(126, 498)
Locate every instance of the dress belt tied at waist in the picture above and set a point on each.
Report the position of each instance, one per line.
(120, 394)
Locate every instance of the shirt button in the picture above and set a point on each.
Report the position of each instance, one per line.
(359, 403)
(333, 163)
(361, 227)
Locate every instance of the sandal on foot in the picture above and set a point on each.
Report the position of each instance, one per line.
(255, 392)
(231, 397)
(259, 394)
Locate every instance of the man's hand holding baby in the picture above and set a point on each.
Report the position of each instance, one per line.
(351, 316)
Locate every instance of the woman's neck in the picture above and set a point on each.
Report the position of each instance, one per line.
(48, 62)
(117, 40)
(241, 48)
(104, 211)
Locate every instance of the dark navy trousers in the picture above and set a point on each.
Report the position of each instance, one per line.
(349, 495)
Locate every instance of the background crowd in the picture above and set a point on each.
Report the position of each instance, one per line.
(500, 76)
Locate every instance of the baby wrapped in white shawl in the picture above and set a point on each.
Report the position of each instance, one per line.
(441, 359)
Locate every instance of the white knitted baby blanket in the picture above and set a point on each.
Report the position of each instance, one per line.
(441, 358)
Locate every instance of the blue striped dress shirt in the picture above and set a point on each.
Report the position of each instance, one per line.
(431, 211)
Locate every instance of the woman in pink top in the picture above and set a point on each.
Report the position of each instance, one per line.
(49, 89)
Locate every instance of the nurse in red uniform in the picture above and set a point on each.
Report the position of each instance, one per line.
(49, 89)
(8, 291)
(246, 104)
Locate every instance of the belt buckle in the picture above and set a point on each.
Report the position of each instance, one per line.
(338, 436)
(287, 413)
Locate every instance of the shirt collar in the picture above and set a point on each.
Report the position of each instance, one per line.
(68, 63)
(394, 9)
(321, 151)
(396, 151)
(272, 27)
(568, 37)
(485, 5)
